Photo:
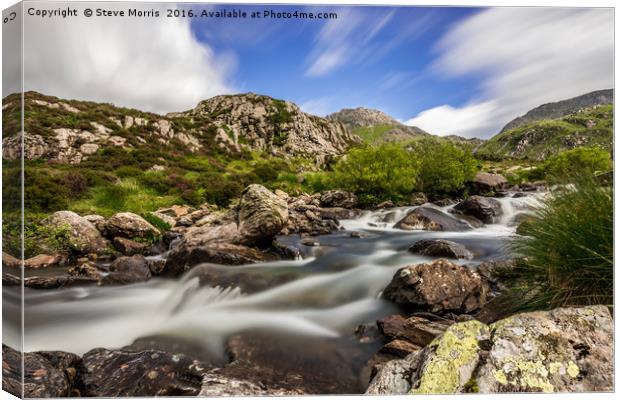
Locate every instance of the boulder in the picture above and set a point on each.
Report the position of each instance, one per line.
(487, 183)
(86, 269)
(431, 219)
(485, 209)
(46, 260)
(47, 374)
(418, 198)
(438, 287)
(8, 261)
(83, 236)
(338, 198)
(562, 350)
(96, 220)
(125, 270)
(129, 247)
(441, 248)
(124, 373)
(171, 221)
(262, 215)
(130, 225)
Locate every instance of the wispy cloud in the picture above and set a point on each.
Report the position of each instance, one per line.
(344, 40)
(152, 64)
(529, 56)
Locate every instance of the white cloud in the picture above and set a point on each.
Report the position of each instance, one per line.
(530, 56)
(345, 40)
(153, 64)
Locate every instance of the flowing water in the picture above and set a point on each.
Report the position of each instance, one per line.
(323, 296)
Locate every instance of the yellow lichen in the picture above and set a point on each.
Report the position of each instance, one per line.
(556, 367)
(573, 369)
(456, 348)
(500, 376)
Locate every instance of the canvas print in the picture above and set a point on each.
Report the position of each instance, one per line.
(207, 199)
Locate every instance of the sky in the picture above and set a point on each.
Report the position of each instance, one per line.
(449, 70)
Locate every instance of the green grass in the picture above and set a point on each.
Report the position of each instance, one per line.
(566, 251)
(372, 134)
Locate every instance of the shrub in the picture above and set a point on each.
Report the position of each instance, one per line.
(576, 162)
(566, 250)
(157, 222)
(375, 174)
(444, 167)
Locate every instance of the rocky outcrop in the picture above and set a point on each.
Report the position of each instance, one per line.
(485, 209)
(441, 248)
(47, 374)
(431, 219)
(124, 373)
(130, 225)
(82, 236)
(563, 350)
(439, 287)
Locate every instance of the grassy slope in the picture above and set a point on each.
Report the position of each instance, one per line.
(538, 140)
(372, 134)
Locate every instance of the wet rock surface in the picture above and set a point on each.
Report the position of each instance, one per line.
(431, 219)
(125, 270)
(438, 287)
(485, 209)
(441, 248)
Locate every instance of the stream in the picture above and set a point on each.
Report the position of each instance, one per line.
(314, 307)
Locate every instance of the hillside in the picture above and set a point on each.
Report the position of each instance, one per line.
(374, 126)
(540, 139)
(71, 131)
(562, 108)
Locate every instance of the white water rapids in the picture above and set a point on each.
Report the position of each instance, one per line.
(334, 290)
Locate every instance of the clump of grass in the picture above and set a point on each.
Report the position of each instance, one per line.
(566, 250)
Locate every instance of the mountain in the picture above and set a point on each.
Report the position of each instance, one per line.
(543, 138)
(70, 131)
(375, 126)
(562, 108)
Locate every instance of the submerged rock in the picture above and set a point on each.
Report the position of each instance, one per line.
(441, 248)
(437, 287)
(431, 219)
(123, 373)
(563, 350)
(83, 236)
(485, 209)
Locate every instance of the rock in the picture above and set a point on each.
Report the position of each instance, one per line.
(444, 202)
(385, 204)
(281, 194)
(562, 350)
(310, 242)
(486, 183)
(262, 215)
(418, 198)
(438, 287)
(166, 218)
(129, 247)
(83, 236)
(338, 198)
(248, 281)
(485, 209)
(8, 261)
(215, 385)
(416, 330)
(130, 225)
(47, 374)
(124, 373)
(125, 270)
(85, 270)
(46, 260)
(441, 248)
(521, 218)
(400, 348)
(96, 220)
(357, 235)
(430, 219)
(175, 211)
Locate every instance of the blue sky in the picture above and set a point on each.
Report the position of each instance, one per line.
(387, 52)
(449, 70)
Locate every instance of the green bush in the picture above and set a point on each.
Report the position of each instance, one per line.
(566, 250)
(375, 174)
(576, 162)
(157, 222)
(444, 167)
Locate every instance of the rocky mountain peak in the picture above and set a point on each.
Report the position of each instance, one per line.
(361, 117)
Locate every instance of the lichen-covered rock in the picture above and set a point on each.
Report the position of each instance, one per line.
(438, 287)
(47, 374)
(450, 360)
(431, 219)
(441, 248)
(563, 350)
(485, 209)
(124, 373)
(338, 198)
(130, 225)
(262, 215)
(418, 198)
(83, 236)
